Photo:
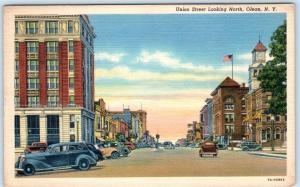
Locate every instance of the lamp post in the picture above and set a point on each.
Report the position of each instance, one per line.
(157, 138)
(272, 132)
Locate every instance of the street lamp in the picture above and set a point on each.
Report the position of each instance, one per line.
(272, 132)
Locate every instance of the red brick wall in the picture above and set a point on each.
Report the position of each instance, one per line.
(63, 74)
(23, 74)
(42, 73)
(79, 79)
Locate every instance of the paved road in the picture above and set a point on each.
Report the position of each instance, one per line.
(179, 162)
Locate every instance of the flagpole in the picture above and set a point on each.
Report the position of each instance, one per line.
(232, 67)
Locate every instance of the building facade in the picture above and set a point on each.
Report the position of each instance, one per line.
(229, 110)
(259, 125)
(204, 121)
(54, 79)
(209, 117)
(195, 132)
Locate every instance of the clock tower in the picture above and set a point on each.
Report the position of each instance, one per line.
(258, 62)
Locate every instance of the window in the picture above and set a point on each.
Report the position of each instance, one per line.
(82, 31)
(16, 27)
(17, 47)
(71, 46)
(229, 118)
(71, 98)
(31, 27)
(255, 73)
(53, 82)
(33, 101)
(52, 100)
(32, 47)
(58, 149)
(72, 121)
(71, 83)
(51, 27)
(16, 83)
(71, 65)
(229, 129)
(277, 134)
(70, 26)
(52, 47)
(17, 131)
(17, 63)
(33, 129)
(277, 118)
(72, 139)
(17, 101)
(243, 103)
(229, 103)
(52, 65)
(32, 65)
(268, 134)
(268, 118)
(33, 83)
(52, 129)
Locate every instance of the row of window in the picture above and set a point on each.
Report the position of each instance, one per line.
(33, 129)
(51, 27)
(52, 83)
(52, 65)
(51, 46)
(52, 101)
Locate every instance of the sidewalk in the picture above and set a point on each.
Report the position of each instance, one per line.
(266, 154)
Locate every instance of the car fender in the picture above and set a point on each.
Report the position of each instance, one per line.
(38, 165)
(89, 158)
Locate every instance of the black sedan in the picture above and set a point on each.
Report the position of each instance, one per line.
(57, 156)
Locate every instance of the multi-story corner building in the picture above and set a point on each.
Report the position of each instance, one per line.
(258, 124)
(229, 110)
(194, 133)
(54, 79)
(100, 113)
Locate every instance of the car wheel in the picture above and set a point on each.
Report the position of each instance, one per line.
(83, 164)
(126, 152)
(115, 155)
(245, 149)
(29, 170)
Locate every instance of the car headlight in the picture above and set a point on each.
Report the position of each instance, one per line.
(22, 158)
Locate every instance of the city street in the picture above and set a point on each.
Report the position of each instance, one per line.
(179, 162)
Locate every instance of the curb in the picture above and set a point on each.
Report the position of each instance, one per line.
(268, 155)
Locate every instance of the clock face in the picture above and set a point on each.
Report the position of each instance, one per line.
(260, 55)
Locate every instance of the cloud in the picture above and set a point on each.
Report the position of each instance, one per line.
(245, 57)
(165, 59)
(124, 72)
(110, 57)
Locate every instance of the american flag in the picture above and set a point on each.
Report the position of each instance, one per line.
(228, 58)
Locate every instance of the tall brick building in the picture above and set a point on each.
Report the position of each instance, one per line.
(54, 79)
(229, 109)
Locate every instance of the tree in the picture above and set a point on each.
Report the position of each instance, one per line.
(273, 76)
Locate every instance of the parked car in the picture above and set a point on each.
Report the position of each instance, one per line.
(57, 156)
(107, 151)
(96, 151)
(168, 145)
(36, 147)
(221, 146)
(121, 148)
(208, 148)
(130, 145)
(251, 146)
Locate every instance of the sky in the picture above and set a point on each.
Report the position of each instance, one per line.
(169, 64)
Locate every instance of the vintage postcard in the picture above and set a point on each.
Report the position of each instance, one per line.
(155, 95)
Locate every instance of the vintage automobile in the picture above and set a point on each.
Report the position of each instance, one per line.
(96, 151)
(130, 145)
(121, 148)
(107, 152)
(208, 148)
(221, 146)
(57, 156)
(250, 146)
(36, 147)
(168, 145)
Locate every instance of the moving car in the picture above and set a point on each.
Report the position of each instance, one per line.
(251, 146)
(57, 156)
(168, 145)
(36, 147)
(208, 148)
